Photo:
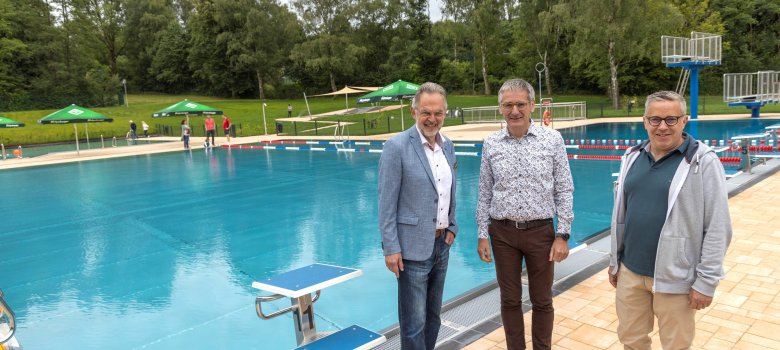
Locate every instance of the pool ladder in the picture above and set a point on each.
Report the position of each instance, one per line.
(7, 326)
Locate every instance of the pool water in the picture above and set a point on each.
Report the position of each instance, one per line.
(36, 151)
(159, 251)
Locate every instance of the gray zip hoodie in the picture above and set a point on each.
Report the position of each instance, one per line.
(697, 230)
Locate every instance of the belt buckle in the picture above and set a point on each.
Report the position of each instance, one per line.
(521, 225)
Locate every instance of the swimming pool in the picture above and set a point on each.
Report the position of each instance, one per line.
(159, 251)
(39, 150)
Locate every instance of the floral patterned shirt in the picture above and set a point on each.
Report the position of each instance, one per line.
(525, 179)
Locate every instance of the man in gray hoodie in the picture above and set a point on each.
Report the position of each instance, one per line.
(670, 229)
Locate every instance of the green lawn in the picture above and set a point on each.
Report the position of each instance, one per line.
(248, 116)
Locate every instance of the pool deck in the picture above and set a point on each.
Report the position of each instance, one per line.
(745, 313)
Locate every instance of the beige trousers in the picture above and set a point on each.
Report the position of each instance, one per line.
(636, 305)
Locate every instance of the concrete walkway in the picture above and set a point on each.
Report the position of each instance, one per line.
(745, 313)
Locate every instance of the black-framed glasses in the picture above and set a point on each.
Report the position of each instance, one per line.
(669, 120)
(509, 106)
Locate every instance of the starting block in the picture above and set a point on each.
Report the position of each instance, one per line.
(298, 285)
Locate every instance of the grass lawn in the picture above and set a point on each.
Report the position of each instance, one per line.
(248, 116)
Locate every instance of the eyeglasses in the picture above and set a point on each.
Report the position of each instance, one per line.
(427, 114)
(669, 120)
(509, 106)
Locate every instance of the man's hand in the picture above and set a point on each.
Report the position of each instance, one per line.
(483, 249)
(559, 250)
(394, 263)
(697, 300)
(449, 238)
(612, 278)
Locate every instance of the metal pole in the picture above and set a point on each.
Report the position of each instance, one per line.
(539, 71)
(76, 132)
(307, 104)
(3, 148)
(265, 126)
(124, 83)
(402, 113)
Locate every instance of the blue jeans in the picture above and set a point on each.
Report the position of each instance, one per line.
(420, 288)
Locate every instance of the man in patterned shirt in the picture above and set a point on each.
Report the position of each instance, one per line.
(524, 181)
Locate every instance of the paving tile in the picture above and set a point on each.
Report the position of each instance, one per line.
(594, 336)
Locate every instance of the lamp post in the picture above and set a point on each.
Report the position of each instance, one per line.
(540, 70)
(124, 83)
(265, 126)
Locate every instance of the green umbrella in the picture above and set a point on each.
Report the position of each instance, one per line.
(9, 123)
(74, 114)
(186, 108)
(394, 92)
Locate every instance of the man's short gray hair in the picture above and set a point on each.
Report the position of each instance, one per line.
(660, 96)
(516, 85)
(429, 88)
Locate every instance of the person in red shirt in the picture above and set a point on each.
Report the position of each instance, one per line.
(226, 126)
(210, 129)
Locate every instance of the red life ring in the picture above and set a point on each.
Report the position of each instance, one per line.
(547, 118)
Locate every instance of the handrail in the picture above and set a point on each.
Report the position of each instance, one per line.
(260, 300)
(4, 308)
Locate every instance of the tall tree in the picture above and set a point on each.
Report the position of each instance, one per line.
(166, 68)
(752, 34)
(543, 25)
(104, 20)
(328, 48)
(611, 34)
(484, 17)
(147, 21)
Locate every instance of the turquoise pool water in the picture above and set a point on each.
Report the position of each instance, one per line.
(160, 251)
(36, 151)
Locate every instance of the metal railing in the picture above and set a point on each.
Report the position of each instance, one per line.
(763, 86)
(6, 318)
(700, 47)
(560, 111)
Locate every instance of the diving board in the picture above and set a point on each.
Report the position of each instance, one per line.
(306, 280)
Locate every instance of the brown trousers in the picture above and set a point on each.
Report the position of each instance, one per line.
(510, 246)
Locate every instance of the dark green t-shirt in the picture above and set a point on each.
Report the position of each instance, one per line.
(646, 190)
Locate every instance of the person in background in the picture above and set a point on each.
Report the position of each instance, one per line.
(417, 216)
(185, 133)
(133, 129)
(289, 110)
(211, 129)
(670, 229)
(524, 181)
(145, 127)
(226, 127)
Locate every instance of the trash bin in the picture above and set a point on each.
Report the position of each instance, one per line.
(232, 130)
(279, 128)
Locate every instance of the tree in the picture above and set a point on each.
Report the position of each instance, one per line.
(752, 35)
(147, 21)
(483, 17)
(614, 33)
(543, 25)
(104, 20)
(328, 48)
(166, 68)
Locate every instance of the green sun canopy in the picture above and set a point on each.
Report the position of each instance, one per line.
(9, 123)
(393, 92)
(74, 114)
(187, 108)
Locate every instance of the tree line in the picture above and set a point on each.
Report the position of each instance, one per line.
(57, 52)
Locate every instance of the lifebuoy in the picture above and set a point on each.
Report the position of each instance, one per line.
(547, 119)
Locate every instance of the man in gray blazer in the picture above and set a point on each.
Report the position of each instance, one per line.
(417, 216)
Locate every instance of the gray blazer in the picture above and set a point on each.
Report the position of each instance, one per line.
(408, 196)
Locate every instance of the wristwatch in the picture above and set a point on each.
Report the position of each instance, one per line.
(564, 236)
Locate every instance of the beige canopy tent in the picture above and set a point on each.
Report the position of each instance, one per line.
(349, 90)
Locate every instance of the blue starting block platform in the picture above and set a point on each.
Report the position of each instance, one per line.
(298, 285)
(306, 280)
(353, 337)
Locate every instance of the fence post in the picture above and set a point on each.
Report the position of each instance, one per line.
(602, 109)
(316, 129)
(364, 127)
(295, 128)
(388, 124)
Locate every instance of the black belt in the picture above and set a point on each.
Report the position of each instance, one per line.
(524, 225)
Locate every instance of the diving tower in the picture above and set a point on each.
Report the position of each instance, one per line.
(751, 90)
(691, 55)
